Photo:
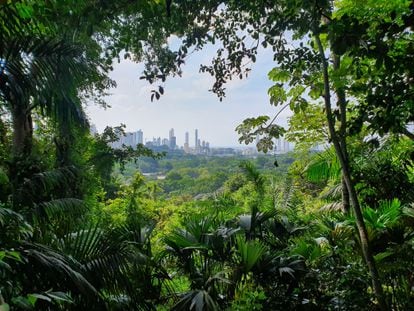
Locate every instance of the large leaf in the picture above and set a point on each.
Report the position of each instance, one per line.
(249, 252)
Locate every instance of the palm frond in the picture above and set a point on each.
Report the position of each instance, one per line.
(332, 207)
(250, 252)
(253, 174)
(46, 73)
(65, 207)
(6, 214)
(198, 300)
(385, 217)
(63, 267)
(332, 192)
(324, 166)
(46, 182)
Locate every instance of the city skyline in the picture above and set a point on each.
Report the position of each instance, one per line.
(200, 146)
(137, 137)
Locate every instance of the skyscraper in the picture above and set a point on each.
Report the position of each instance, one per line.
(140, 137)
(187, 142)
(196, 140)
(172, 139)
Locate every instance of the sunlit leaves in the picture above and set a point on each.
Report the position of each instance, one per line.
(279, 75)
(251, 128)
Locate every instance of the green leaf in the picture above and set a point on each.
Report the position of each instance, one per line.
(279, 75)
(316, 91)
(40, 296)
(250, 252)
(31, 298)
(296, 91)
(277, 94)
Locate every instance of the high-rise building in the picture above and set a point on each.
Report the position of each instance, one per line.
(196, 139)
(140, 137)
(187, 143)
(173, 142)
(129, 139)
(173, 139)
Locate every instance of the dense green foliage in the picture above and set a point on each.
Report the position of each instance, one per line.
(84, 226)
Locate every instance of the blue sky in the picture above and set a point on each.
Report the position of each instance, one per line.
(187, 104)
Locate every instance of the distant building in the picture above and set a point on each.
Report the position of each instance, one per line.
(140, 137)
(196, 141)
(282, 146)
(129, 140)
(172, 139)
(187, 143)
(173, 142)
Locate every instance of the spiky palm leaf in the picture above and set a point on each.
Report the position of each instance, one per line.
(249, 252)
(385, 217)
(324, 166)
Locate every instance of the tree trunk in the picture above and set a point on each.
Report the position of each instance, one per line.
(341, 96)
(22, 132)
(345, 196)
(343, 159)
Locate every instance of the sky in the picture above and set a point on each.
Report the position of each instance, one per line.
(187, 103)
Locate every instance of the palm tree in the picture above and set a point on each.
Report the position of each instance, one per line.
(41, 74)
